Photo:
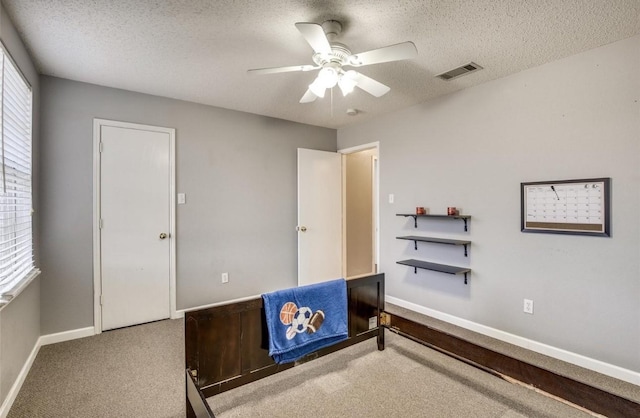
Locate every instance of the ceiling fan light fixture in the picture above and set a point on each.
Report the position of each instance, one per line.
(346, 85)
(328, 76)
(317, 87)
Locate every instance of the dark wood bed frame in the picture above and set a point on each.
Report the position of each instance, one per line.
(226, 346)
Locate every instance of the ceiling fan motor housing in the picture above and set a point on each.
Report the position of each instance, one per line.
(332, 28)
(340, 54)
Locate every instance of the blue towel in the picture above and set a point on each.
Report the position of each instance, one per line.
(304, 319)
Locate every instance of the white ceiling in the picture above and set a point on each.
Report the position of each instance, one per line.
(200, 51)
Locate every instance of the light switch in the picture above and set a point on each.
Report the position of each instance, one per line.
(182, 198)
(391, 198)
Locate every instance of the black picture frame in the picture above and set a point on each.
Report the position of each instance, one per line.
(575, 207)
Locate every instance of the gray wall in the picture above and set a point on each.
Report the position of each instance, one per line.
(20, 320)
(238, 171)
(573, 118)
(19, 332)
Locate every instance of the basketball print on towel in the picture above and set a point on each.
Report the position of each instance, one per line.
(300, 319)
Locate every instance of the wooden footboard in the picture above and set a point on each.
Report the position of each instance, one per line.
(226, 346)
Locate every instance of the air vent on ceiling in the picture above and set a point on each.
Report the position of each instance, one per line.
(460, 71)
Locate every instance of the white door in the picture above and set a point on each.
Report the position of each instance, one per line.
(135, 225)
(319, 216)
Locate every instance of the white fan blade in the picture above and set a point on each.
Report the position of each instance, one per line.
(397, 52)
(371, 86)
(275, 70)
(308, 97)
(315, 36)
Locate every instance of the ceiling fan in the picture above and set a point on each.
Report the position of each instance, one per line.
(331, 57)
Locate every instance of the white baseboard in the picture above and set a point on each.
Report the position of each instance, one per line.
(66, 336)
(558, 353)
(42, 340)
(15, 388)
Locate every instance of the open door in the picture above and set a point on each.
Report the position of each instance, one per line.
(319, 216)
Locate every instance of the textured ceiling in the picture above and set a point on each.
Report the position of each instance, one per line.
(200, 51)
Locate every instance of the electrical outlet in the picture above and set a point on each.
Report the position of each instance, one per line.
(528, 306)
(225, 277)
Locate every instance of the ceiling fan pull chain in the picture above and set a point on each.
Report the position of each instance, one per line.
(331, 102)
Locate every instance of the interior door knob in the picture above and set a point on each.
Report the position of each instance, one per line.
(302, 228)
(163, 235)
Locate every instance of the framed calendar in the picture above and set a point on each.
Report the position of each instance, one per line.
(579, 207)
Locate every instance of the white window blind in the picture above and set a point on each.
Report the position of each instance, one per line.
(16, 242)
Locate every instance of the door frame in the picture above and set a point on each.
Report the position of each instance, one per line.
(97, 250)
(376, 203)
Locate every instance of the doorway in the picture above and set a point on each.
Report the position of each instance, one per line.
(360, 208)
(134, 224)
(337, 211)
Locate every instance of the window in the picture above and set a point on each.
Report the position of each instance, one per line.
(16, 238)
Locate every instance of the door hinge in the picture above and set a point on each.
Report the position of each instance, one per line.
(385, 319)
(100, 223)
(101, 147)
(101, 299)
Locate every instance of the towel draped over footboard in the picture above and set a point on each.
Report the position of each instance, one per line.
(304, 319)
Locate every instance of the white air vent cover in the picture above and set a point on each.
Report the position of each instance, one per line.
(460, 71)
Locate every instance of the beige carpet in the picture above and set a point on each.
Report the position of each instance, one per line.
(138, 372)
(405, 380)
(598, 380)
(130, 372)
